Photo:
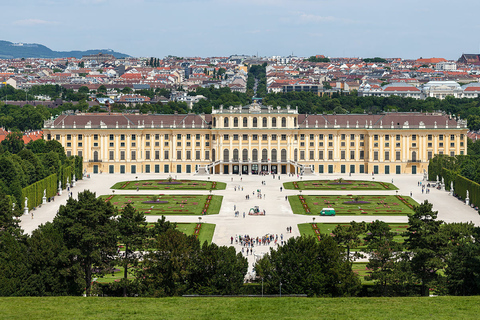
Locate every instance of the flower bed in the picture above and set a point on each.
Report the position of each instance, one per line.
(155, 201)
(405, 202)
(355, 202)
(196, 231)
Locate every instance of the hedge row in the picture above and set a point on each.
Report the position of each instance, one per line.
(461, 185)
(34, 192)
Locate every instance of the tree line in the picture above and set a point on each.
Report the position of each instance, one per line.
(68, 255)
(22, 165)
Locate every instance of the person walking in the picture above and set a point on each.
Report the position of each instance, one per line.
(244, 214)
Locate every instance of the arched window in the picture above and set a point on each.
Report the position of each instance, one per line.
(414, 156)
(235, 122)
(284, 122)
(95, 156)
(264, 122)
(283, 154)
(274, 122)
(295, 122)
(235, 155)
(225, 122)
(245, 122)
(254, 122)
(254, 155)
(295, 155)
(245, 155)
(214, 122)
(226, 155)
(274, 155)
(213, 155)
(264, 155)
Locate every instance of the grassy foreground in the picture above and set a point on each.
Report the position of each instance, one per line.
(240, 308)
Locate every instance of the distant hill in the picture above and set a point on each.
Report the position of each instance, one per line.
(10, 50)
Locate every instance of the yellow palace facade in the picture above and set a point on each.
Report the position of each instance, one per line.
(254, 139)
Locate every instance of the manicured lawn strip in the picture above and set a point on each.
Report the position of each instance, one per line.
(360, 268)
(239, 308)
(176, 204)
(164, 184)
(327, 228)
(112, 277)
(338, 185)
(206, 231)
(377, 205)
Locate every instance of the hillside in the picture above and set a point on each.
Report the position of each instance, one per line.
(10, 50)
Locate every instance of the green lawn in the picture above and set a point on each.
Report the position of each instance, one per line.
(206, 231)
(169, 185)
(360, 268)
(168, 204)
(338, 185)
(239, 308)
(327, 228)
(347, 205)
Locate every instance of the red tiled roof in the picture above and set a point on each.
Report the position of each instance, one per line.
(388, 89)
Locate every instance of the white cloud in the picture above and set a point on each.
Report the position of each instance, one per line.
(33, 22)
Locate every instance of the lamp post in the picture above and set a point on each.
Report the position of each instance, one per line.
(280, 289)
(262, 286)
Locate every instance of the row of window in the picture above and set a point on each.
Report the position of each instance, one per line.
(386, 169)
(133, 137)
(273, 123)
(148, 169)
(151, 156)
(255, 137)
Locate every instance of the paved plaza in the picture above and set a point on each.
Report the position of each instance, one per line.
(278, 216)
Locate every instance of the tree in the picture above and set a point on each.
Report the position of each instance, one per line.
(13, 142)
(52, 271)
(217, 270)
(349, 237)
(384, 256)
(463, 258)
(84, 90)
(131, 233)
(89, 232)
(14, 267)
(102, 89)
(305, 266)
(165, 267)
(127, 90)
(426, 244)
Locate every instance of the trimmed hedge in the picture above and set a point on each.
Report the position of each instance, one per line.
(34, 192)
(461, 185)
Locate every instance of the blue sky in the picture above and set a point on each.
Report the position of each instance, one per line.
(353, 28)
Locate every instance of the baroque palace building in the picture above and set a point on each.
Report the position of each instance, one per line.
(256, 138)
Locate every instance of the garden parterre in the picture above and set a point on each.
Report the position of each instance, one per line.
(353, 205)
(339, 184)
(169, 184)
(169, 204)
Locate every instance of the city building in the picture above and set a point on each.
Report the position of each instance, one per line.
(255, 138)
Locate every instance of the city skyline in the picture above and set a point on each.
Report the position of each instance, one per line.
(264, 27)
